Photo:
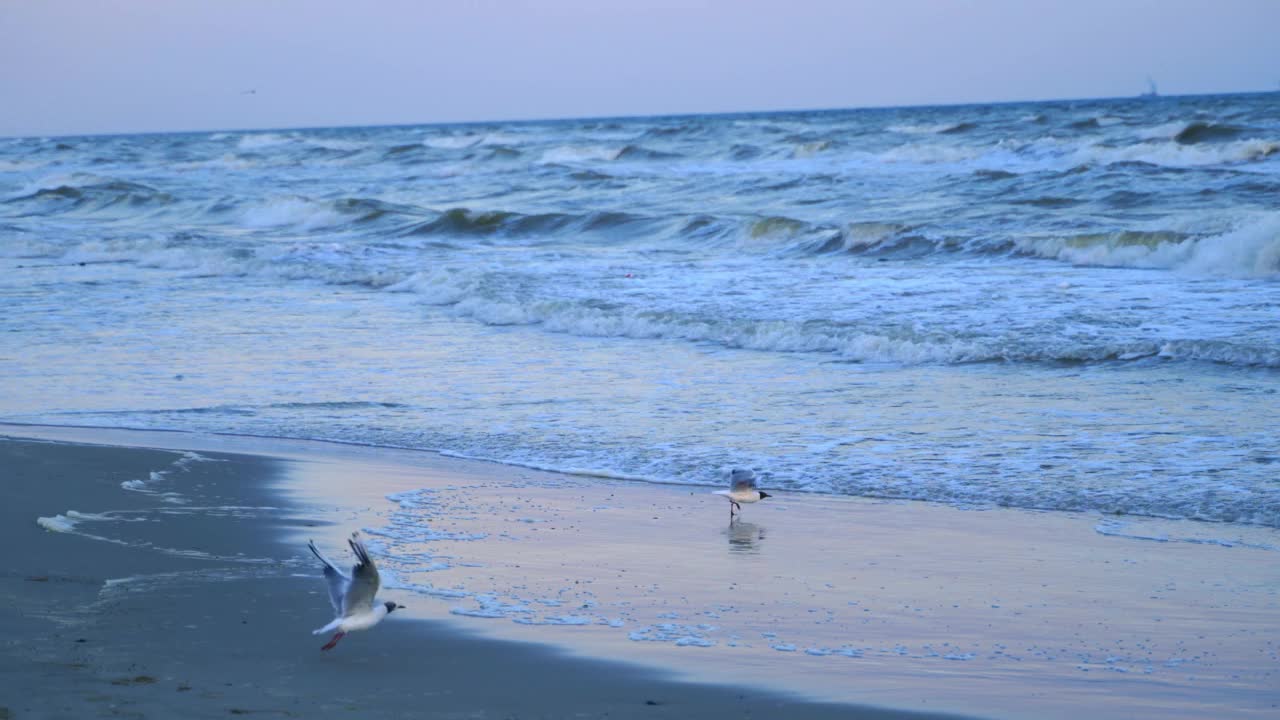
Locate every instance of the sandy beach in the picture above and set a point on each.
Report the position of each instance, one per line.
(532, 594)
(199, 607)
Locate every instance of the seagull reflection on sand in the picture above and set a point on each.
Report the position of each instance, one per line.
(744, 537)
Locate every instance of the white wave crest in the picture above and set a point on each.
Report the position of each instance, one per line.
(291, 211)
(1251, 250)
(862, 235)
(1172, 154)
(435, 288)
(228, 161)
(581, 153)
(500, 138)
(452, 142)
(932, 154)
(1220, 351)
(927, 129)
(465, 297)
(262, 140)
(336, 145)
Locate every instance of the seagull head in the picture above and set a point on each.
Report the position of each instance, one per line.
(392, 607)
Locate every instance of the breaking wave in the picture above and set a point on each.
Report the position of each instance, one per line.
(473, 297)
(1179, 154)
(949, 128)
(1251, 250)
(1204, 132)
(309, 214)
(465, 222)
(575, 154)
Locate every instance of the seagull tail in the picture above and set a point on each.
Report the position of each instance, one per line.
(328, 628)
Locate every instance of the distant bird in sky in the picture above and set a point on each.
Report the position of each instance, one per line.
(742, 489)
(352, 595)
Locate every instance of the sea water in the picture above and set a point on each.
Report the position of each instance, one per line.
(1061, 305)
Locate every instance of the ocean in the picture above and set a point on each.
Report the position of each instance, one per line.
(1065, 306)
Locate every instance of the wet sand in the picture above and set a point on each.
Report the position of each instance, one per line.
(525, 587)
(188, 611)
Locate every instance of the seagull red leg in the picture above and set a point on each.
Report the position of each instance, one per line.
(329, 645)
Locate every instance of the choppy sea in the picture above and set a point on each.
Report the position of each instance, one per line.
(1059, 305)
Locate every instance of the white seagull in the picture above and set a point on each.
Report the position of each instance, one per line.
(352, 596)
(742, 489)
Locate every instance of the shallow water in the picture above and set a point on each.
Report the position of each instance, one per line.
(1048, 305)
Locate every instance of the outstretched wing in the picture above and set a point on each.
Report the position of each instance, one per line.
(364, 580)
(740, 479)
(338, 582)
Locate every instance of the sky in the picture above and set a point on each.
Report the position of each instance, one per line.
(107, 66)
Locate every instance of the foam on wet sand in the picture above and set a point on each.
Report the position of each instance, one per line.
(994, 613)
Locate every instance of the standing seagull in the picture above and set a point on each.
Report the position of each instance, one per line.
(352, 597)
(742, 489)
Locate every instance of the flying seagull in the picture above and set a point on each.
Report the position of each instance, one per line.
(742, 489)
(352, 596)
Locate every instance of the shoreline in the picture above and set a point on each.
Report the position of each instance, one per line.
(179, 616)
(994, 613)
(276, 446)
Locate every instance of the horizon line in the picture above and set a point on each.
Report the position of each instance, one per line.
(638, 116)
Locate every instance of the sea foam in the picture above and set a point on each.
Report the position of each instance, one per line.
(1250, 250)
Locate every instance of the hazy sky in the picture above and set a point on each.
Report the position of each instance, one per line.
(70, 66)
